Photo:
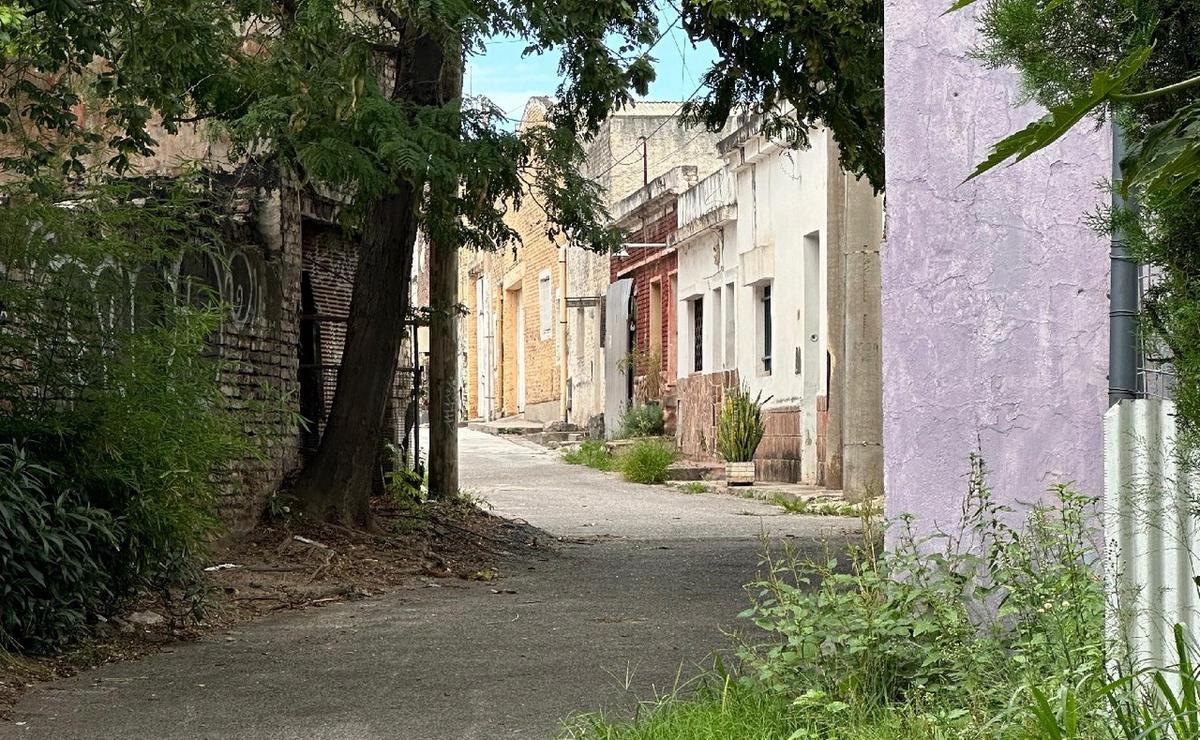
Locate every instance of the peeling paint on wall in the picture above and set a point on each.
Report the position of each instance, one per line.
(994, 291)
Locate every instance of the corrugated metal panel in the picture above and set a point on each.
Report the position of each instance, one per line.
(1151, 532)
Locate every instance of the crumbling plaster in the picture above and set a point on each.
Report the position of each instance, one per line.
(994, 290)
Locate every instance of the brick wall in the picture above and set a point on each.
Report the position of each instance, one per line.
(257, 344)
(647, 266)
(697, 408)
(699, 398)
(779, 453)
(510, 269)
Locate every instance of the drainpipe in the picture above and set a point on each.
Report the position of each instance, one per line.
(562, 332)
(1122, 298)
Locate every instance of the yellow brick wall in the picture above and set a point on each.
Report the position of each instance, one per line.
(506, 271)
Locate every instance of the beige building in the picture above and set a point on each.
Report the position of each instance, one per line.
(513, 331)
(533, 330)
(635, 146)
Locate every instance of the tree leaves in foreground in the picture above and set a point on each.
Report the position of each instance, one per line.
(1138, 62)
(797, 65)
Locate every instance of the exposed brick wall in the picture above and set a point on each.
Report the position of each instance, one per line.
(644, 267)
(698, 406)
(779, 453)
(257, 344)
(699, 399)
(520, 268)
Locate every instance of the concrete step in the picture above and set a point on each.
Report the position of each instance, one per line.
(508, 425)
(690, 470)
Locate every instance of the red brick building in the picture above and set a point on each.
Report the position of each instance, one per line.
(648, 260)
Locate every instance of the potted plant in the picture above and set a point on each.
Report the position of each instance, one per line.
(739, 430)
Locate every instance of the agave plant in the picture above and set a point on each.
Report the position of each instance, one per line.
(740, 428)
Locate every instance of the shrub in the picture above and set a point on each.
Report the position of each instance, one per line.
(740, 427)
(647, 461)
(992, 632)
(642, 421)
(112, 390)
(593, 454)
(52, 566)
(940, 618)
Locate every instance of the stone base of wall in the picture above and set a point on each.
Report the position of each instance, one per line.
(697, 408)
(779, 453)
(546, 411)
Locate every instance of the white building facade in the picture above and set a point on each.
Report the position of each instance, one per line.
(758, 243)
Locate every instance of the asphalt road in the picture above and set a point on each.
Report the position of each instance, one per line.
(638, 593)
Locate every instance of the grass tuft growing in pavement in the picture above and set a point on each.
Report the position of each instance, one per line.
(592, 454)
(647, 461)
(718, 709)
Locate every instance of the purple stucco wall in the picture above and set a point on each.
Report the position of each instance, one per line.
(994, 291)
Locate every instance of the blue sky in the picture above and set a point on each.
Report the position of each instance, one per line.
(509, 80)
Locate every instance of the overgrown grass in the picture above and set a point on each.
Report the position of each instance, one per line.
(646, 461)
(593, 454)
(717, 710)
(993, 631)
(694, 486)
(817, 507)
(642, 421)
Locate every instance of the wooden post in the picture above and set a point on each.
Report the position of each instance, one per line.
(443, 370)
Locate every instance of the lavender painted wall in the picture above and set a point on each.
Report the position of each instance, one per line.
(994, 291)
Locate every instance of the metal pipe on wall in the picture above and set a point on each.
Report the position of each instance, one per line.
(1122, 297)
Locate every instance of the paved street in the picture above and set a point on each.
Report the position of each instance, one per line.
(642, 584)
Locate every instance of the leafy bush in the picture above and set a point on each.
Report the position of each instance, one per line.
(113, 393)
(593, 454)
(52, 564)
(936, 618)
(740, 427)
(992, 632)
(642, 421)
(647, 461)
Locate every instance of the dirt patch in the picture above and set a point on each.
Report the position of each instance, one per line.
(292, 564)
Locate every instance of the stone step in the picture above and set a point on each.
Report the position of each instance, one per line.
(688, 470)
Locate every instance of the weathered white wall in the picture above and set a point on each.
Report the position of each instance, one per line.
(780, 198)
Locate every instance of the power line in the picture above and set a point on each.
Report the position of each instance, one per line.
(658, 128)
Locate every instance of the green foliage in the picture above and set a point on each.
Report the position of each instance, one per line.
(645, 420)
(592, 453)
(824, 61)
(740, 426)
(925, 620)
(112, 385)
(1136, 61)
(818, 507)
(993, 631)
(716, 707)
(694, 486)
(161, 59)
(52, 547)
(646, 461)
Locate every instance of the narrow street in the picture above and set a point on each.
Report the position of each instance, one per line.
(640, 588)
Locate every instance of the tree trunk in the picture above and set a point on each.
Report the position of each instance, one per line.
(443, 370)
(443, 337)
(336, 484)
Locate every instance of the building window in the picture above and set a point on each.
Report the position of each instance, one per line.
(545, 305)
(764, 328)
(698, 335)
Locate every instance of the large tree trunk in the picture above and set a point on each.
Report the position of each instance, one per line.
(336, 484)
